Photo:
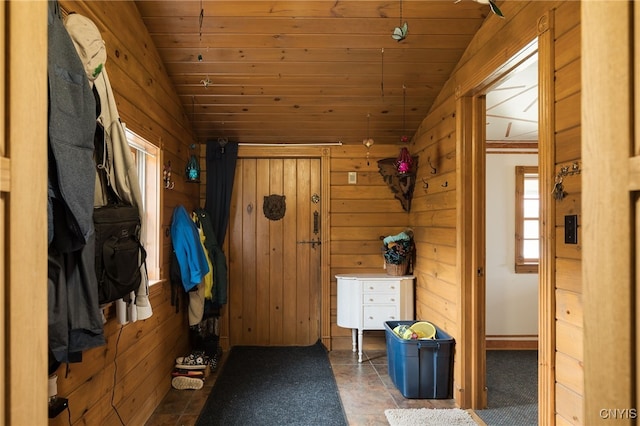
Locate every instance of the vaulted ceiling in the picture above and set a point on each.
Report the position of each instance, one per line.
(313, 71)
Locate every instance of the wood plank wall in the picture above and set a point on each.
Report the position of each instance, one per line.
(23, 218)
(132, 371)
(361, 214)
(610, 147)
(433, 212)
(569, 313)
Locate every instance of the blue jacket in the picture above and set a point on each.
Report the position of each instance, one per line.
(188, 249)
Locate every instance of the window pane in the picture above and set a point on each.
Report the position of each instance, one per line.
(531, 188)
(531, 208)
(145, 156)
(531, 229)
(531, 249)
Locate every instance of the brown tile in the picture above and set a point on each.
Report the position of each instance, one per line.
(158, 419)
(197, 401)
(188, 420)
(377, 357)
(368, 420)
(173, 402)
(343, 357)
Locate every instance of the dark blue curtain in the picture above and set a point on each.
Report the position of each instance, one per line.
(221, 169)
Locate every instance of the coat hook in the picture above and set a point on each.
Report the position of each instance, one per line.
(166, 176)
(445, 184)
(425, 184)
(433, 169)
(558, 188)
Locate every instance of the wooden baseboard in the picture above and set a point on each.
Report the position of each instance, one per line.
(507, 344)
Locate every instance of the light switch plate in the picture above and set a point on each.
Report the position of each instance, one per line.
(353, 178)
(571, 229)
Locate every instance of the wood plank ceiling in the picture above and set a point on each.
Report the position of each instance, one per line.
(314, 71)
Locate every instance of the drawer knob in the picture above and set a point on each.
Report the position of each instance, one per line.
(393, 300)
(370, 300)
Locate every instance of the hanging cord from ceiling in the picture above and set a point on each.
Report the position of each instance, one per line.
(206, 82)
(193, 113)
(382, 73)
(368, 141)
(400, 32)
(200, 19)
(404, 138)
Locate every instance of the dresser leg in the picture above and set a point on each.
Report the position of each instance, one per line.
(359, 345)
(354, 332)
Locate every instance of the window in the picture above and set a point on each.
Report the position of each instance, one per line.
(145, 156)
(527, 220)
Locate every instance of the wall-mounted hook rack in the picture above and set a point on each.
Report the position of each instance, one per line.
(166, 176)
(558, 189)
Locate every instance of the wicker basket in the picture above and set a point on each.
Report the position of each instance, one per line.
(397, 270)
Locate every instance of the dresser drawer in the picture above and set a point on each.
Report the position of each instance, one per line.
(380, 298)
(375, 316)
(380, 286)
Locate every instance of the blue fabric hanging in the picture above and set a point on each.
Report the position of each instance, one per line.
(188, 249)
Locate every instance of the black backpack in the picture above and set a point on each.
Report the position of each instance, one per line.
(119, 253)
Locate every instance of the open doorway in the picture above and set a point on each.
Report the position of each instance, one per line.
(512, 216)
(470, 202)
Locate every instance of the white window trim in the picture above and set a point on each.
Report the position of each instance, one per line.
(149, 178)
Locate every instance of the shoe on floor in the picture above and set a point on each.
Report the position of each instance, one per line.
(188, 373)
(182, 383)
(193, 361)
(213, 362)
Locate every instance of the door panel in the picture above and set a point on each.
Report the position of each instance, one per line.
(274, 289)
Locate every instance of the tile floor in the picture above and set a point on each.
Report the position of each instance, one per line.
(365, 388)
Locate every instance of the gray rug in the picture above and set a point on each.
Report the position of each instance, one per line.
(275, 385)
(512, 382)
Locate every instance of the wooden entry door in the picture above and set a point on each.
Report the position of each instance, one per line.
(275, 264)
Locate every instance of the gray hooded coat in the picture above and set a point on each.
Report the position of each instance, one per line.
(74, 318)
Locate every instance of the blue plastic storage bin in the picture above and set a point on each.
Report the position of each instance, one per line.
(420, 368)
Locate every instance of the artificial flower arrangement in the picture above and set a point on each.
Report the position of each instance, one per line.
(404, 162)
(398, 251)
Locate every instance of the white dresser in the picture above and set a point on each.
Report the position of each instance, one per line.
(367, 301)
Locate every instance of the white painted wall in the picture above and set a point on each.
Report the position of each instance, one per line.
(511, 299)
